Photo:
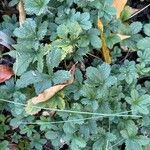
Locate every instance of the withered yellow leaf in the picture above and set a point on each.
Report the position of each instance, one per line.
(22, 13)
(100, 24)
(49, 93)
(105, 50)
(119, 5)
(123, 37)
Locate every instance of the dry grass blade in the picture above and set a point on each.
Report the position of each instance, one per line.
(22, 13)
(139, 11)
(48, 93)
(119, 5)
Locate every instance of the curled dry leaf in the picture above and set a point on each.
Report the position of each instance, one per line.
(119, 5)
(48, 93)
(22, 13)
(5, 73)
(123, 37)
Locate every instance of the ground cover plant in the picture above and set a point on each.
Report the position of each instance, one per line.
(74, 74)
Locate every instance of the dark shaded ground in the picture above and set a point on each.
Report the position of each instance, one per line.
(144, 16)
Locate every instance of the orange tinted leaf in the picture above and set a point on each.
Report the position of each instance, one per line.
(119, 5)
(5, 73)
(49, 93)
(105, 50)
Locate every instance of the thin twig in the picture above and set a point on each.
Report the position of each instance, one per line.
(139, 11)
(120, 114)
(93, 55)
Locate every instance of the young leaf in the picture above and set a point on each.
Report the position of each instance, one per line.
(5, 73)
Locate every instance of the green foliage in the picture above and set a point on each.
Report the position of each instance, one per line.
(105, 107)
(4, 145)
(36, 6)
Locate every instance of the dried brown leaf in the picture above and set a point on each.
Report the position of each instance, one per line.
(22, 13)
(119, 5)
(5, 73)
(49, 93)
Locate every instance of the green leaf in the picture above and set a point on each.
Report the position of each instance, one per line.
(144, 56)
(31, 77)
(126, 13)
(23, 61)
(93, 75)
(94, 38)
(4, 145)
(51, 135)
(18, 97)
(147, 29)
(74, 29)
(83, 41)
(29, 130)
(37, 7)
(112, 40)
(37, 142)
(62, 31)
(57, 101)
(27, 30)
(130, 130)
(104, 70)
(128, 72)
(77, 143)
(61, 76)
(42, 30)
(83, 20)
(144, 43)
(54, 58)
(42, 85)
(138, 103)
(135, 27)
